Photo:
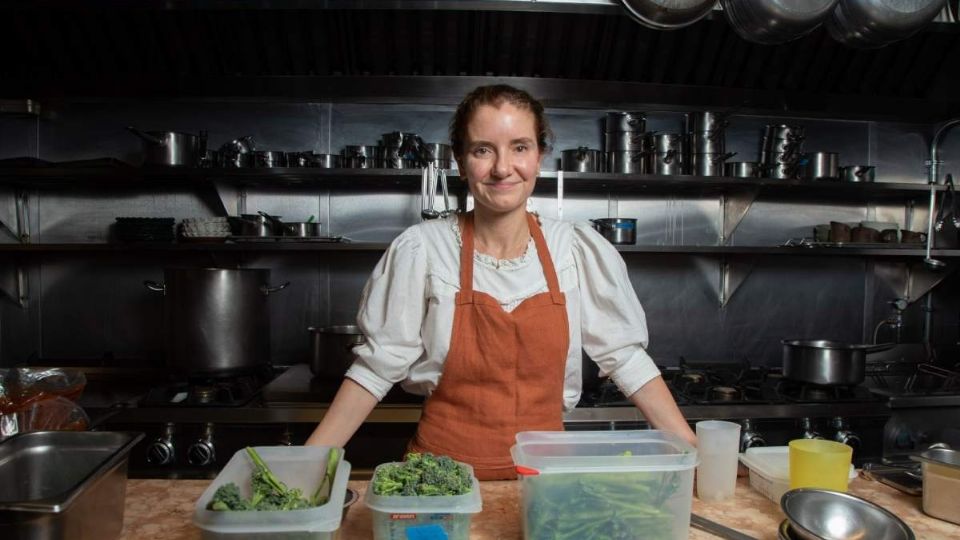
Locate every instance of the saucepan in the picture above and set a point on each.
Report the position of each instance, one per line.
(171, 148)
(617, 230)
(332, 349)
(827, 363)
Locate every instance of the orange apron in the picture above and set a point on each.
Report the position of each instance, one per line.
(503, 374)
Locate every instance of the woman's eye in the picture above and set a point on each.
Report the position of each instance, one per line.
(482, 151)
(521, 148)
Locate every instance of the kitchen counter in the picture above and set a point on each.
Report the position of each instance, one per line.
(163, 509)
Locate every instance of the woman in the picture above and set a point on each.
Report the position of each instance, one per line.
(486, 312)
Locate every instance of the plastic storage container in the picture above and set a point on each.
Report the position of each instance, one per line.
(770, 470)
(598, 484)
(941, 483)
(402, 518)
(300, 467)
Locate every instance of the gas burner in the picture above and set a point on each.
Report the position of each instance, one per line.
(724, 393)
(204, 394)
(207, 392)
(793, 391)
(690, 378)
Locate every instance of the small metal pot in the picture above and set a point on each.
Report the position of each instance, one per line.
(668, 163)
(332, 349)
(171, 148)
(253, 225)
(264, 159)
(827, 363)
(582, 159)
(821, 165)
(617, 230)
(704, 121)
(363, 156)
(708, 142)
(626, 162)
(857, 173)
(742, 169)
(301, 229)
(626, 121)
(625, 141)
(709, 164)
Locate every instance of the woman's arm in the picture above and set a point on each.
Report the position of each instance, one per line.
(659, 408)
(349, 409)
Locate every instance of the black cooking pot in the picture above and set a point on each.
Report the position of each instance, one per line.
(827, 363)
(332, 349)
(216, 319)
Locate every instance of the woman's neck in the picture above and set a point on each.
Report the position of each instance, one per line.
(502, 236)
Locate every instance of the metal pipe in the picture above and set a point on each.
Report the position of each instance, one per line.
(933, 178)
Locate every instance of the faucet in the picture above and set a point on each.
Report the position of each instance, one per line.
(933, 178)
(895, 320)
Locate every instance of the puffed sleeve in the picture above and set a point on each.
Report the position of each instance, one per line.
(391, 314)
(613, 324)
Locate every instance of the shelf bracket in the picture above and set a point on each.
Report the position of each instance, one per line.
(15, 285)
(18, 226)
(733, 207)
(733, 272)
(912, 280)
(226, 198)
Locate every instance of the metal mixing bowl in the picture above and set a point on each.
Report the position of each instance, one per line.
(818, 514)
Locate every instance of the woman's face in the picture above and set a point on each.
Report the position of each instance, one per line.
(501, 158)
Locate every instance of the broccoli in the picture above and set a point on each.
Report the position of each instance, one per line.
(269, 492)
(423, 475)
(227, 497)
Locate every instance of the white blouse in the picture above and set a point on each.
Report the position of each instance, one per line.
(406, 310)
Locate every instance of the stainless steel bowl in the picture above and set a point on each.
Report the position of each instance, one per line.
(869, 24)
(819, 514)
(776, 21)
(668, 14)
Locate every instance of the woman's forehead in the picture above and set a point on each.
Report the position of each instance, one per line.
(506, 119)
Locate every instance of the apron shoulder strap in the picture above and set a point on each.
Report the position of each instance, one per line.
(549, 272)
(465, 296)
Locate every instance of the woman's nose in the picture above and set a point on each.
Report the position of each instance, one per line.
(501, 167)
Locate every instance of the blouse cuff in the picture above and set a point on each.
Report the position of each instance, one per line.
(635, 372)
(370, 381)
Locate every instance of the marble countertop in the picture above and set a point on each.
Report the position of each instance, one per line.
(163, 509)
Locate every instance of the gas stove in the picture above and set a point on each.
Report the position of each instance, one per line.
(208, 391)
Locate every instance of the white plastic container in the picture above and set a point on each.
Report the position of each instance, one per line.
(718, 443)
(590, 484)
(397, 517)
(770, 470)
(301, 467)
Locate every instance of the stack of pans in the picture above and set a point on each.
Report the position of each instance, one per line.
(361, 156)
(625, 142)
(667, 155)
(868, 24)
(400, 150)
(707, 142)
(781, 150)
(776, 21)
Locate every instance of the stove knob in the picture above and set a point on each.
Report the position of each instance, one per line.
(809, 432)
(161, 451)
(749, 438)
(202, 452)
(844, 435)
(286, 438)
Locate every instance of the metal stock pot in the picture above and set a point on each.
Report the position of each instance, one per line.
(215, 319)
(332, 349)
(827, 363)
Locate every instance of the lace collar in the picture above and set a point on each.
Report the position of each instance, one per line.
(491, 261)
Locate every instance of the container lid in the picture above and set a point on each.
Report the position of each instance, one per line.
(468, 503)
(939, 456)
(773, 462)
(301, 467)
(546, 452)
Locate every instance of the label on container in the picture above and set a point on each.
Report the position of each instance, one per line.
(403, 516)
(426, 532)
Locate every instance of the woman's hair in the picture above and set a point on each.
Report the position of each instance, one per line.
(496, 95)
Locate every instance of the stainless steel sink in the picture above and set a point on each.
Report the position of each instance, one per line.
(64, 484)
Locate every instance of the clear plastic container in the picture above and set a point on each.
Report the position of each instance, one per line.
(400, 518)
(941, 492)
(596, 484)
(770, 470)
(301, 467)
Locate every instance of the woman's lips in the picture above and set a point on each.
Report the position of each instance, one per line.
(501, 185)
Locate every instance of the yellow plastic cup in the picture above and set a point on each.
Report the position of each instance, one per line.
(816, 463)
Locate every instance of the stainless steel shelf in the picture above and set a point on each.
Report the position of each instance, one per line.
(307, 246)
(139, 178)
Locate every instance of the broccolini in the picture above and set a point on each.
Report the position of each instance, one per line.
(423, 475)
